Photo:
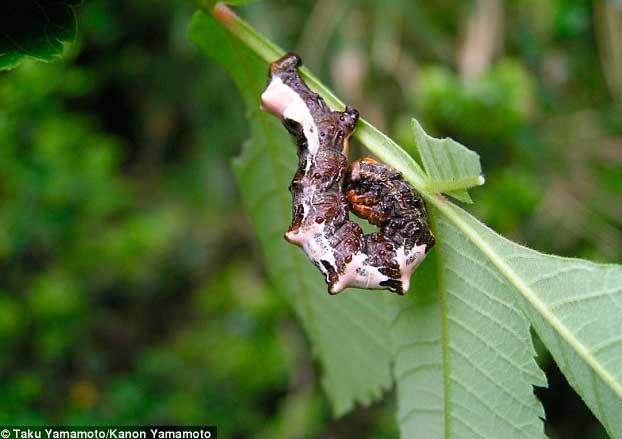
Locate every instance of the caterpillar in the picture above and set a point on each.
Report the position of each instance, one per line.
(325, 188)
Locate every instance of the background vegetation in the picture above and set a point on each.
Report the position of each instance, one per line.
(131, 290)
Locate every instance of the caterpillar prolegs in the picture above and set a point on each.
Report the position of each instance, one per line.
(325, 188)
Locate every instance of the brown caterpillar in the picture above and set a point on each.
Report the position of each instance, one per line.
(324, 189)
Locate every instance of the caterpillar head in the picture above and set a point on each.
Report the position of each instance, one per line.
(286, 65)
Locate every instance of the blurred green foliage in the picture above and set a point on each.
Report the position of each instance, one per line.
(503, 97)
(130, 287)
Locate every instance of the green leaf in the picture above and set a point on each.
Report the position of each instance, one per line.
(574, 305)
(450, 166)
(360, 372)
(489, 292)
(469, 373)
(37, 29)
(460, 344)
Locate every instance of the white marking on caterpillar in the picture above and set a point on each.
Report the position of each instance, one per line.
(359, 274)
(314, 242)
(283, 102)
(409, 261)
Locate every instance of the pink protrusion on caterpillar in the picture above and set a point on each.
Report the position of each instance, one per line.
(320, 224)
(278, 97)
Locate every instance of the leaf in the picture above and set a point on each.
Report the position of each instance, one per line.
(490, 291)
(37, 29)
(469, 373)
(360, 372)
(460, 345)
(450, 166)
(574, 305)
